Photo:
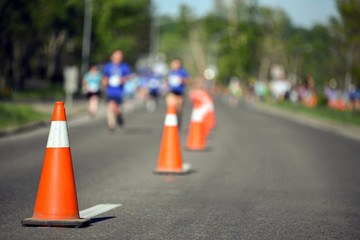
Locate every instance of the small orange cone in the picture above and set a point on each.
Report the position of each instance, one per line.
(207, 119)
(208, 104)
(56, 202)
(211, 115)
(196, 136)
(170, 159)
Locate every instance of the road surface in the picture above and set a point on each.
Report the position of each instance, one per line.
(262, 177)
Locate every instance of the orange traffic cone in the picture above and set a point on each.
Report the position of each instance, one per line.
(211, 115)
(196, 136)
(207, 103)
(207, 119)
(56, 202)
(170, 159)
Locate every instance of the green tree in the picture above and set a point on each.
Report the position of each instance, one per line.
(244, 39)
(35, 34)
(121, 24)
(346, 39)
(40, 37)
(239, 48)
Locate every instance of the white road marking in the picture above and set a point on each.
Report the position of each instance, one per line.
(97, 209)
(186, 167)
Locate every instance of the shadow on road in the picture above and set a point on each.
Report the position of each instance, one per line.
(99, 219)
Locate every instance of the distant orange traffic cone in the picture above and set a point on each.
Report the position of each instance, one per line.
(207, 119)
(196, 135)
(56, 202)
(208, 104)
(211, 113)
(170, 159)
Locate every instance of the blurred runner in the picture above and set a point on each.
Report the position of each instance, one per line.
(130, 88)
(116, 73)
(142, 90)
(177, 79)
(153, 84)
(235, 92)
(91, 86)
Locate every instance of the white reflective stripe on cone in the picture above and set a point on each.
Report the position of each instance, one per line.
(207, 106)
(171, 120)
(204, 109)
(197, 115)
(58, 136)
(212, 107)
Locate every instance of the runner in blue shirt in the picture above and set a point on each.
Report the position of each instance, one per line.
(115, 74)
(177, 79)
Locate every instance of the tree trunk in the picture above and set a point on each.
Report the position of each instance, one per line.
(55, 43)
(197, 50)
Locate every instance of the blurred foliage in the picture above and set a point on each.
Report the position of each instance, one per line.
(322, 112)
(245, 39)
(240, 37)
(53, 93)
(345, 32)
(121, 24)
(40, 37)
(322, 101)
(16, 115)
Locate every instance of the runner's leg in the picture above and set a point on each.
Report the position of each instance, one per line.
(179, 106)
(93, 104)
(111, 116)
(119, 116)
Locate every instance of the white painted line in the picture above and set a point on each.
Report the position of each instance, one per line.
(186, 167)
(97, 209)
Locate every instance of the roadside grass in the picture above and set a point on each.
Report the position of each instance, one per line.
(53, 92)
(13, 115)
(321, 112)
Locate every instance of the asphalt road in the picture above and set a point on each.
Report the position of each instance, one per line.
(263, 177)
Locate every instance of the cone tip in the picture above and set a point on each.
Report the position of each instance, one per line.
(59, 103)
(171, 109)
(59, 112)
